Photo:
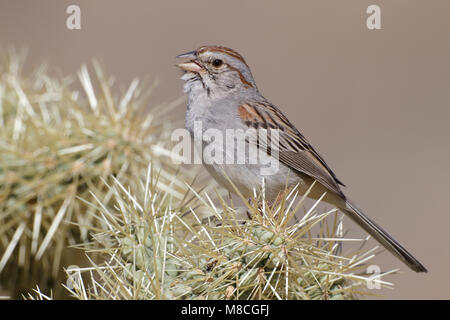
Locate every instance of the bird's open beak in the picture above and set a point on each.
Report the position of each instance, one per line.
(190, 54)
(190, 66)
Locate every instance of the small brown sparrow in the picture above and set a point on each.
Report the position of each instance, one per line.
(222, 95)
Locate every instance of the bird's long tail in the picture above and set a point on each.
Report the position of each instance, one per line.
(382, 237)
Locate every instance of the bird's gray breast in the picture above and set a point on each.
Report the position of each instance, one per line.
(217, 132)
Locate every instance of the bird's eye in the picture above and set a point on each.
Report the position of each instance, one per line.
(217, 63)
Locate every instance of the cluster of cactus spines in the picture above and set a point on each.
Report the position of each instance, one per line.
(58, 146)
(172, 253)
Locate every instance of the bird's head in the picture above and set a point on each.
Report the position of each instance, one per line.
(215, 71)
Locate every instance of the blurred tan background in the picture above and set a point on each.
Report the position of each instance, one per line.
(376, 103)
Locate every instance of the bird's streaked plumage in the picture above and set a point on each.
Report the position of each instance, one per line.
(222, 94)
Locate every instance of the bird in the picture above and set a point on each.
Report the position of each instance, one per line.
(222, 95)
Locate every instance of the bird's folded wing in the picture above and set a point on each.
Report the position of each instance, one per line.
(292, 147)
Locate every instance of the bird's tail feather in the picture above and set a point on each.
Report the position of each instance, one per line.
(383, 237)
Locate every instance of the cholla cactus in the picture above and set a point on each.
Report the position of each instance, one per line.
(56, 146)
(94, 171)
(160, 248)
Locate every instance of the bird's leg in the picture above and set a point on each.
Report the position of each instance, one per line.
(278, 199)
(270, 203)
(249, 215)
(212, 220)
